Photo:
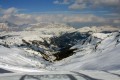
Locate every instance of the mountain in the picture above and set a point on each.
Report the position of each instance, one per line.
(98, 52)
(105, 28)
(60, 48)
(3, 26)
(8, 26)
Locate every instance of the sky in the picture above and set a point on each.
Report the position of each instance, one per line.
(64, 11)
(30, 6)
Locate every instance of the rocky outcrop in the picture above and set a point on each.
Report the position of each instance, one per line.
(57, 47)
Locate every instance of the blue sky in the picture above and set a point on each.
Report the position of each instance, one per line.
(30, 6)
(85, 11)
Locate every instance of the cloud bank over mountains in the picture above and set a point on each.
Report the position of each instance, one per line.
(14, 15)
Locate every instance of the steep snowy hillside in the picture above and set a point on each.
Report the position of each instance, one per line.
(95, 53)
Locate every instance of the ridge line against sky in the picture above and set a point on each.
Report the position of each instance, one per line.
(83, 11)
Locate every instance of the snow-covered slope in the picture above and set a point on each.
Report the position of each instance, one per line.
(61, 49)
(22, 58)
(101, 55)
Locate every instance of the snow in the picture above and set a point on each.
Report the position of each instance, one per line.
(62, 75)
(100, 35)
(98, 28)
(16, 61)
(98, 58)
(106, 57)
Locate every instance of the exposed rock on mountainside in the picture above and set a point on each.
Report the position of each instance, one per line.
(57, 46)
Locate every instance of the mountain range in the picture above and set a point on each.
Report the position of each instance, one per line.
(58, 47)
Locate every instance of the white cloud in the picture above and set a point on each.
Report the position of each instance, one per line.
(77, 6)
(56, 2)
(84, 18)
(83, 4)
(10, 11)
(111, 4)
(12, 15)
(116, 21)
(61, 2)
(106, 2)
